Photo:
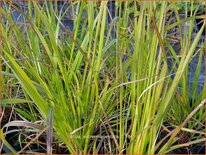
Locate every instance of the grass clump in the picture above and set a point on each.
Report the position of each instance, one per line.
(102, 88)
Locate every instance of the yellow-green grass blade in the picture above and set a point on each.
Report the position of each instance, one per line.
(27, 84)
(14, 101)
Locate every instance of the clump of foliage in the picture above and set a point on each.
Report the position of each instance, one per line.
(98, 80)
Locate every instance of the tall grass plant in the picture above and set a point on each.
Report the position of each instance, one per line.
(98, 80)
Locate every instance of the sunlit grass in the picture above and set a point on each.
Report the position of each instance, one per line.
(101, 80)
